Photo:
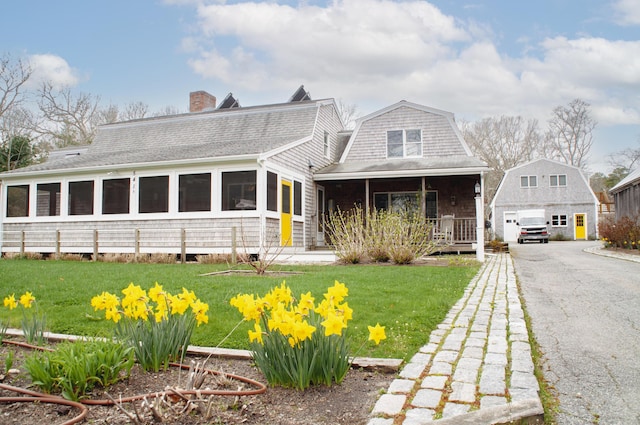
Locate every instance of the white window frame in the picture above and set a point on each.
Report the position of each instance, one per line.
(405, 143)
(559, 220)
(529, 180)
(558, 178)
(325, 146)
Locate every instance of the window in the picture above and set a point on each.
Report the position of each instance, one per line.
(18, 201)
(528, 181)
(325, 147)
(81, 198)
(239, 190)
(48, 199)
(432, 204)
(404, 143)
(272, 191)
(154, 194)
(297, 198)
(556, 180)
(194, 192)
(559, 220)
(397, 201)
(115, 196)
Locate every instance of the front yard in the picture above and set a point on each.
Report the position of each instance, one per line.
(410, 301)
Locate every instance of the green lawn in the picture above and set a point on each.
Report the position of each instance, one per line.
(409, 300)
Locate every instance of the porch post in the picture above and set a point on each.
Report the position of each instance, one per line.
(479, 221)
(366, 196)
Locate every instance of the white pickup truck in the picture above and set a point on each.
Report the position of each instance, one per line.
(532, 226)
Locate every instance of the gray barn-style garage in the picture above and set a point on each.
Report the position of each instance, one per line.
(562, 190)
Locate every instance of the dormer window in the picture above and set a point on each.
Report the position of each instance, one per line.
(404, 143)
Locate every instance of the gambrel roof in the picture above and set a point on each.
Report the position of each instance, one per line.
(217, 134)
(444, 151)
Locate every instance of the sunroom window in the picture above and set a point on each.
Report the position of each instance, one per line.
(48, 199)
(194, 192)
(239, 190)
(272, 191)
(18, 201)
(81, 198)
(115, 196)
(154, 194)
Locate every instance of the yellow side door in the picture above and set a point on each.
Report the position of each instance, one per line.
(286, 238)
(581, 226)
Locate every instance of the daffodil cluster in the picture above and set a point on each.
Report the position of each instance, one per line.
(26, 300)
(299, 342)
(137, 304)
(33, 323)
(155, 323)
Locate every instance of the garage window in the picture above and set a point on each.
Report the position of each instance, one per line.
(528, 181)
(559, 220)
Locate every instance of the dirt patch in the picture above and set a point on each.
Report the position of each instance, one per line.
(348, 403)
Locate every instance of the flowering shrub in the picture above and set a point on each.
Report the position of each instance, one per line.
(622, 233)
(33, 323)
(155, 324)
(296, 342)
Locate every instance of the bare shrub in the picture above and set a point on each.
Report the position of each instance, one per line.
(214, 259)
(116, 258)
(159, 258)
(380, 236)
(23, 256)
(347, 234)
(377, 232)
(622, 233)
(410, 237)
(68, 257)
(269, 251)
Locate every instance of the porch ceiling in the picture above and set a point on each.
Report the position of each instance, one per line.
(441, 166)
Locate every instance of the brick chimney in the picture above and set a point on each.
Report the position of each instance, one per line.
(200, 101)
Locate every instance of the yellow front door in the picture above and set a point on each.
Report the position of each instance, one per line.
(285, 215)
(581, 226)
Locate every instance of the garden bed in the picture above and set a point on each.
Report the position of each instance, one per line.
(348, 403)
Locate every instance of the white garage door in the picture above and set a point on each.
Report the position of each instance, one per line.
(510, 227)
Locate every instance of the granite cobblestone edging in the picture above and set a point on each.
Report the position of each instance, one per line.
(476, 367)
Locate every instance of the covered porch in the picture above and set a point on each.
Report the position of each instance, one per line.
(452, 203)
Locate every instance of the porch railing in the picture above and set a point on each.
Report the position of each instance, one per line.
(462, 230)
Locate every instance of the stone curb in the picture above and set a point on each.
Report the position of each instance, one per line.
(598, 250)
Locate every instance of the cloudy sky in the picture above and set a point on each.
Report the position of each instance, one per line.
(475, 58)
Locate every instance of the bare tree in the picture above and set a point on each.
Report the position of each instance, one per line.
(503, 143)
(167, 110)
(628, 158)
(13, 76)
(70, 120)
(348, 113)
(570, 133)
(134, 111)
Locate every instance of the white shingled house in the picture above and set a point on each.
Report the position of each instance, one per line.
(225, 176)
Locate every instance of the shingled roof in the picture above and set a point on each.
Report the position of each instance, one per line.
(221, 133)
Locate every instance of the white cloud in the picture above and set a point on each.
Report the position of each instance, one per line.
(628, 12)
(376, 52)
(53, 69)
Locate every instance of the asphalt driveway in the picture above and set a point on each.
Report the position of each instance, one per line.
(585, 313)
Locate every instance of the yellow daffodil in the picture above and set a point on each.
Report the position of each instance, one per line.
(333, 325)
(303, 330)
(337, 292)
(10, 301)
(157, 294)
(376, 333)
(27, 299)
(256, 335)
